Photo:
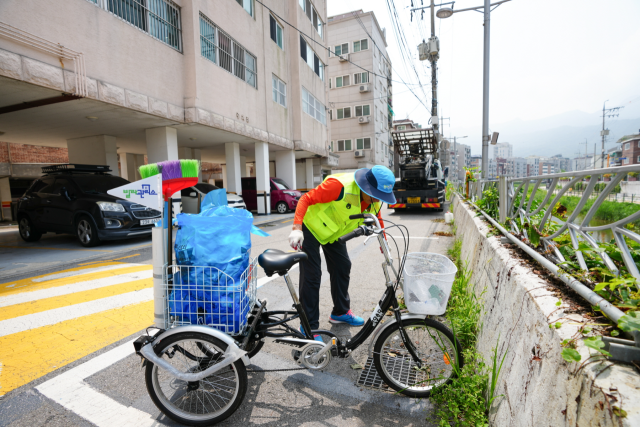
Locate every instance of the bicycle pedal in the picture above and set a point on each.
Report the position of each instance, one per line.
(296, 355)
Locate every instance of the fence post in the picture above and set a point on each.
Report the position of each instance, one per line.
(503, 200)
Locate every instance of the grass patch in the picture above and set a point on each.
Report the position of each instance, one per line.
(467, 400)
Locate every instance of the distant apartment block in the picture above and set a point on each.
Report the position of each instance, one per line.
(503, 150)
(359, 77)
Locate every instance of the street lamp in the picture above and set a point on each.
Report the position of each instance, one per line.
(446, 13)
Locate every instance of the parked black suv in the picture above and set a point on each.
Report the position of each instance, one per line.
(73, 199)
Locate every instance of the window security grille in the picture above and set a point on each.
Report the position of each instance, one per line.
(158, 18)
(218, 47)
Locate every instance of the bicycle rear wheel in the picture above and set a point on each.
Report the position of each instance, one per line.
(198, 403)
(434, 345)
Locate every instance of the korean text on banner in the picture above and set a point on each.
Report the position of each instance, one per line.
(147, 192)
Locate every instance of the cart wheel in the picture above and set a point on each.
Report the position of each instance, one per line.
(198, 403)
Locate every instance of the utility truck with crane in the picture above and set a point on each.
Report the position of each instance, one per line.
(422, 180)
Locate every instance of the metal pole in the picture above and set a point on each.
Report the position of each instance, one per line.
(434, 77)
(455, 153)
(594, 156)
(485, 90)
(157, 253)
(602, 159)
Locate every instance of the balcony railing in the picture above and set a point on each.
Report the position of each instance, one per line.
(159, 18)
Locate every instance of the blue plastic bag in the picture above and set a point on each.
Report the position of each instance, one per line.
(214, 198)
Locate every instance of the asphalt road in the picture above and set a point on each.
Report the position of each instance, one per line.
(103, 381)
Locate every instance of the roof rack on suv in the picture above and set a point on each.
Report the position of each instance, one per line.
(75, 168)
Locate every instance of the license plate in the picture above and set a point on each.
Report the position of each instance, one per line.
(149, 221)
(413, 199)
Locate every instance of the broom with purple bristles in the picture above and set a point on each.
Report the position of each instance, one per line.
(176, 175)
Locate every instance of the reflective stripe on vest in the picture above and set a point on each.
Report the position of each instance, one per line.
(330, 221)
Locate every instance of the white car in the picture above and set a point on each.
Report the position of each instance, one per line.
(190, 197)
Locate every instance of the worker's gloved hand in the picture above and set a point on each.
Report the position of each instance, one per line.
(295, 239)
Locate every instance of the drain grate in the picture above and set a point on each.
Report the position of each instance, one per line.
(369, 377)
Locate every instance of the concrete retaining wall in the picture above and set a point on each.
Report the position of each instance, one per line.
(539, 387)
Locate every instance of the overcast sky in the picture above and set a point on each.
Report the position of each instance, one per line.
(548, 57)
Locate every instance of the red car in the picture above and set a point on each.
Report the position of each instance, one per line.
(283, 199)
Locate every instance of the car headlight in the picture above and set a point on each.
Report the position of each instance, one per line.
(110, 207)
(290, 193)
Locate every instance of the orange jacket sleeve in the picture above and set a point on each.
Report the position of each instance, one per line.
(326, 192)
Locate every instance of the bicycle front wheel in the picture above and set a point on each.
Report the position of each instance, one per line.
(197, 403)
(434, 345)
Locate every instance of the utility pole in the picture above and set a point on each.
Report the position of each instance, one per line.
(431, 51)
(485, 90)
(594, 156)
(606, 112)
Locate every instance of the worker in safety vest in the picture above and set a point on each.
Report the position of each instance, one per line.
(322, 217)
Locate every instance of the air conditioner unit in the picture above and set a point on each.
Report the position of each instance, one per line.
(344, 58)
(358, 153)
(364, 119)
(364, 88)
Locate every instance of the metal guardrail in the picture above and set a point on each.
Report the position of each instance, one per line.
(516, 208)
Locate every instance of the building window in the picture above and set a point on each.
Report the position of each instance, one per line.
(626, 161)
(313, 15)
(341, 49)
(311, 58)
(626, 146)
(401, 128)
(331, 146)
(638, 161)
(276, 31)
(313, 107)
(342, 81)
(344, 145)
(344, 113)
(159, 18)
(638, 144)
(219, 48)
(360, 45)
(361, 78)
(363, 110)
(246, 5)
(279, 91)
(363, 144)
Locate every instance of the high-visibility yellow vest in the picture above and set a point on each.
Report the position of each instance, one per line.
(330, 221)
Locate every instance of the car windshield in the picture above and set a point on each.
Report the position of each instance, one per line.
(280, 184)
(99, 184)
(205, 188)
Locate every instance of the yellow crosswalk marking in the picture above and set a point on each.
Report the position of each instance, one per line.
(28, 355)
(31, 284)
(38, 306)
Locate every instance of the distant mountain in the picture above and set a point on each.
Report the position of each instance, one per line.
(561, 134)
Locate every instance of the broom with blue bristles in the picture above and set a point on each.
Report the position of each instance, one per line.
(176, 175)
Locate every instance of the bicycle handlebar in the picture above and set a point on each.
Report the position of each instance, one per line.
(357, 216)
(355, 233)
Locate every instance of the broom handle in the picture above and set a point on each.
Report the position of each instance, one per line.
(169, 232)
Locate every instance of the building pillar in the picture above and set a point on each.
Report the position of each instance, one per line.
(162, 144)
(243, 167)
(5, 200)
(232, 154)
(309, 174)
(129, 164)
(94, 150)
(286, 167)
(224, 176)
(263, 183)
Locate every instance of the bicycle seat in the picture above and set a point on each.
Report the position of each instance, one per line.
(277, 261)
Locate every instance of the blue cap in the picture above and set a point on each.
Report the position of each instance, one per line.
(377, 182)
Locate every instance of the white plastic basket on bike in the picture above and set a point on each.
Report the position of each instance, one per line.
(428, 279)
(207, 296)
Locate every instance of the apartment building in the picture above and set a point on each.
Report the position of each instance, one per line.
(359, 77)
(630, 151)
(121, 82)
(503, 150)
(516, 167)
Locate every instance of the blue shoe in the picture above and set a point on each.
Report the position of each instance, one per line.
(349, 318)
(315, 337)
